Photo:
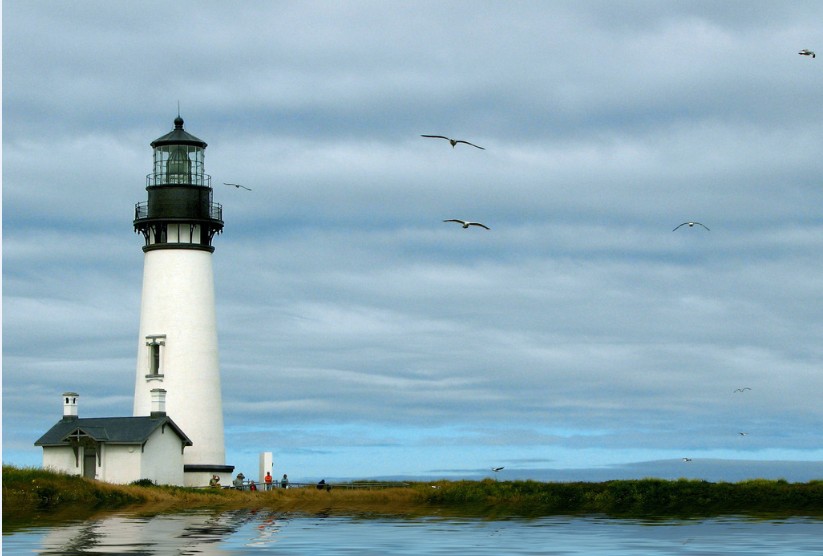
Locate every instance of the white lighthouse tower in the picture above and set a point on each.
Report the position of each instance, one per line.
(177, 342)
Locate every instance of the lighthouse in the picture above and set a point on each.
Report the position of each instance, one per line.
(177, 340)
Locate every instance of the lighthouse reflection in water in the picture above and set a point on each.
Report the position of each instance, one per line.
(241, 532)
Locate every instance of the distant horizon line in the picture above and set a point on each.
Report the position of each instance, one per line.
(709, 469)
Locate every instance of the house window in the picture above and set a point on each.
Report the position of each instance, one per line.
(156, 345)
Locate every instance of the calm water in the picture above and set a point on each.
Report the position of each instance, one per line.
(263, 532)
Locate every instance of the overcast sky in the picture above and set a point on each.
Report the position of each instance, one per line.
(359, 334)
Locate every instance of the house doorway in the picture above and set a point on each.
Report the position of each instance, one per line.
(89, 463)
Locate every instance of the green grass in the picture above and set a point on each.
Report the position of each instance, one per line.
(30, 493)
(646, 497)
(34, 488)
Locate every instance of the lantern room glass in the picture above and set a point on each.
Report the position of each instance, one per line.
(178, 164)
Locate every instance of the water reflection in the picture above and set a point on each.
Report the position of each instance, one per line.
(181, 533)
(245, 532)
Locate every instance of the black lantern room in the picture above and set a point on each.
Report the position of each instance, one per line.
(179, 213)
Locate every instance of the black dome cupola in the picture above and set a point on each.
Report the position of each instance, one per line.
(179, 213)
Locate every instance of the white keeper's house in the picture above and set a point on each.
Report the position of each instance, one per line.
(116, 449)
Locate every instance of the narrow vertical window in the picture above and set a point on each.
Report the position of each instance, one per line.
(155, 356)
(154, 361)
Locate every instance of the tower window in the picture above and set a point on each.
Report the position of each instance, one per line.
(158, 233)
(155, 359)
(154, 364)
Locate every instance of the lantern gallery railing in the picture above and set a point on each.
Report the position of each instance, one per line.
(193, 178)
(141, 211)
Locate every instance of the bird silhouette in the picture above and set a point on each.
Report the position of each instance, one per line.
(453, 141)
(743, 433)
(742, 389)
(806, 52)
(691, 225)
(496, 469)
(466, 224)
(687, 459)
(237, 185)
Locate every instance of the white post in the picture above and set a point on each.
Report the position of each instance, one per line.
(266, 465)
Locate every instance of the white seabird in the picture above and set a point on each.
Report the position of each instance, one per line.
(806, 52)
(466, 223)
(237, 185)
(453, 141)
(691, 225)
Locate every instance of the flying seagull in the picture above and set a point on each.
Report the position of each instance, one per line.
(806, 52)
(467, 224)
(691, 225)
(743, 433)
(453, 141)
(687, 459)
(742, 389)
(496, 469)
(237, 185)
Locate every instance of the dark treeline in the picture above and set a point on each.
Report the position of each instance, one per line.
(651, 497)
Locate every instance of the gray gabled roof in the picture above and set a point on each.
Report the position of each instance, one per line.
(111, 430)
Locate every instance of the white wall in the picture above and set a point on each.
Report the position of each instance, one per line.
(61, 458)
(121, 463)
(202, 478)
(178, 301)
(163, 458)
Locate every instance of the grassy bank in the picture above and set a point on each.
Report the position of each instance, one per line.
(30, 492)
(646, 497)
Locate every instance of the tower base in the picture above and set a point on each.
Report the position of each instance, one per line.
(199, 475)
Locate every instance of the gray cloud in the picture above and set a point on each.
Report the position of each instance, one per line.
(355, 326)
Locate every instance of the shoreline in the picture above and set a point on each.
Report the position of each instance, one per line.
(31, 495)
